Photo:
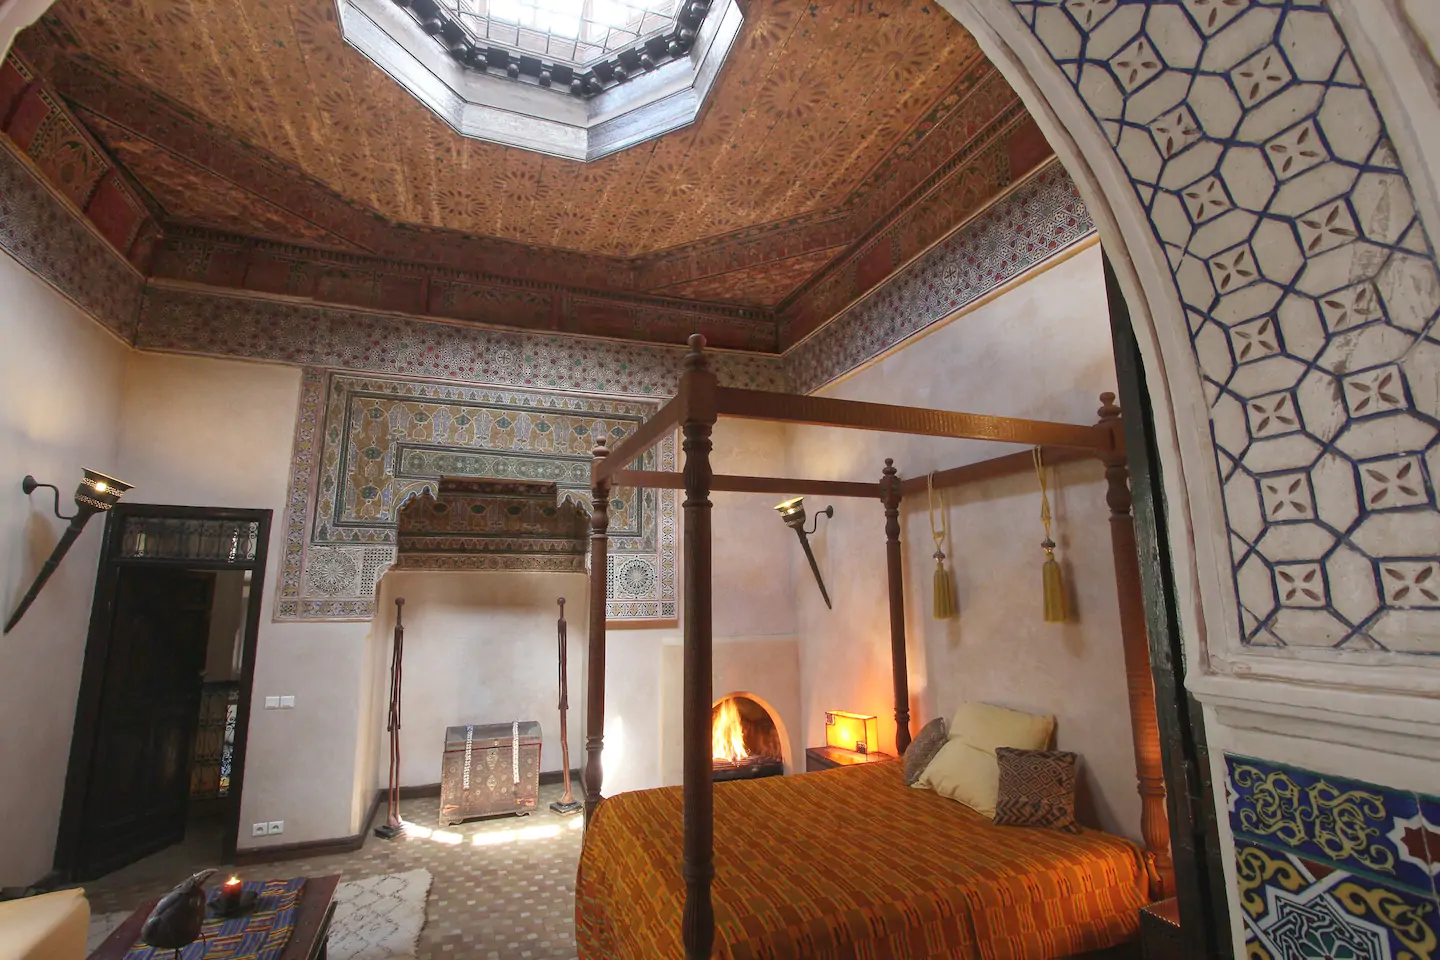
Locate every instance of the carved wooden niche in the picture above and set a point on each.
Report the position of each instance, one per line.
(476, 524)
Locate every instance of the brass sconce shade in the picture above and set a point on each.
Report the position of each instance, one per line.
(792, 512)
(96, 493)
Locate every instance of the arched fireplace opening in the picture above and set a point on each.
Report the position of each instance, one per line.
(746, 740)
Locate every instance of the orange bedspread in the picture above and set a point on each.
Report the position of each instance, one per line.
(852, 863)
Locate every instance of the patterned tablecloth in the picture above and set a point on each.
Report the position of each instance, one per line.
(260, 934)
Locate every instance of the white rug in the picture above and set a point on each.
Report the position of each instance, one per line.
(378, 918)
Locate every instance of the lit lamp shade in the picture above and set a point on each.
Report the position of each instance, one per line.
(99, 492)
(792, 511)
(851, 731)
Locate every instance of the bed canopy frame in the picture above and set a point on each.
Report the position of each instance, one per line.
(697, 405)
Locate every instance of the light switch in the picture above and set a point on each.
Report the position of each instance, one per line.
(272, 703)
(287, 702)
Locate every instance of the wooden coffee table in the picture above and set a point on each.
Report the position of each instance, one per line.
(307, 938)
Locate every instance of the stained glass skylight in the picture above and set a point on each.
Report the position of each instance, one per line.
(577, 32)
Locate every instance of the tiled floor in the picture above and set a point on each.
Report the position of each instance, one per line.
(504, 889)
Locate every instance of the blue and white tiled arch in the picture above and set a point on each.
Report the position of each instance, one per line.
(1311, 292)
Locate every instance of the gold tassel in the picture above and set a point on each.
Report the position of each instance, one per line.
(1054, 586)
(945, 606)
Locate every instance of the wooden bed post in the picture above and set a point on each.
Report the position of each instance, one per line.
(697, 387)
(595, 662)
(890, 496)
(1154, 821)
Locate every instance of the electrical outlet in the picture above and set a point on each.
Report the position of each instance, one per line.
(272, 703)
(276, 826)
(287, 702)
(259, 829)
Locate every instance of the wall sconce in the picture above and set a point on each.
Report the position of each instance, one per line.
(851, 731)
(793, 513)
(96, 493)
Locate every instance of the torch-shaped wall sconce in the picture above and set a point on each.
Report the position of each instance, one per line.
(793, 513)
(96, 493)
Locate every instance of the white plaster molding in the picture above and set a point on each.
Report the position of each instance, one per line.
(1402, 726)
(1396, 44)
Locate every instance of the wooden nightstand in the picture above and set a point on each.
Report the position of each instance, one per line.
(1160, 937)
(826, 758)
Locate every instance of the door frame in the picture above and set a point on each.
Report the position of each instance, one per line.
(102, 614)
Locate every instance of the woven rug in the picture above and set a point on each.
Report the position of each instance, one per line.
(377, 918)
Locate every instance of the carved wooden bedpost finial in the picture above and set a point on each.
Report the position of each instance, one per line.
(695, 358)
(890, 497)
(1139, 681)
(593, 776)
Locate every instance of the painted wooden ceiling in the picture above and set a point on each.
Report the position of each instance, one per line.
(831, 122)
(814, 98)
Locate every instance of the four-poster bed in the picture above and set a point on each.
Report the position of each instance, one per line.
(699, 402)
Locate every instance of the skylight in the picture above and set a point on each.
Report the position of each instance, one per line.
(571, 78)
(577, 32)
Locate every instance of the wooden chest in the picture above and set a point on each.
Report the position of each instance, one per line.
(489, 769)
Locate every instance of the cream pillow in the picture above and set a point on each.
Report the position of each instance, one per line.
(965, 769)
(965, 773)
(987, 727)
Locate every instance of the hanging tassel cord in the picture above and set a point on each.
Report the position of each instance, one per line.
(945, 606)
(1051, 582)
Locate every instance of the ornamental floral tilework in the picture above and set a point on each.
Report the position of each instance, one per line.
(1043, 216)
(1311, 291)
(367, 444)
(190, 321)
(51, 240)
(1330, 867)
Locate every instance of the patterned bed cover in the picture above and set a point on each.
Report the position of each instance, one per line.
(852, 863)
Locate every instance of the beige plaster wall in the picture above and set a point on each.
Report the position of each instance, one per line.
(479, 648)
(753, 626)
(60, 381)
(211, 432)
(1040, 350)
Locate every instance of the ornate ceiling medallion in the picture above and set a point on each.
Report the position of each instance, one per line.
(581, 86)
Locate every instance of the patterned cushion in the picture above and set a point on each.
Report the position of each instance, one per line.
(1037, 789)
(923, 748)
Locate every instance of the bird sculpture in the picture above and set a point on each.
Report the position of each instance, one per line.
(175, 922)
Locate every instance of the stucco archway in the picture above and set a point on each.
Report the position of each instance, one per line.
(1274, 252)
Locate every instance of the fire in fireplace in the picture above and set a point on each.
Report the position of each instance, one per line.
(745, 740)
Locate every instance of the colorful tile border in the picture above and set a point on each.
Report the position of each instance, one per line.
(1312, 296)
(350, 475)
(1332, 867)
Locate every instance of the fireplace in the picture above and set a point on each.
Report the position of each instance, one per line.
(746, 740)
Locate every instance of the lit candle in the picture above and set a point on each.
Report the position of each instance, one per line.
(230, 892)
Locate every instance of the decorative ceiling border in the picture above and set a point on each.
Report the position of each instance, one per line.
(219, 260)
(1038, 218)
(52, 239)
(196, 320)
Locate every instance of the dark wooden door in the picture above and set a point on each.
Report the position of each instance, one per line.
(149, 708)
(1200, 885)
